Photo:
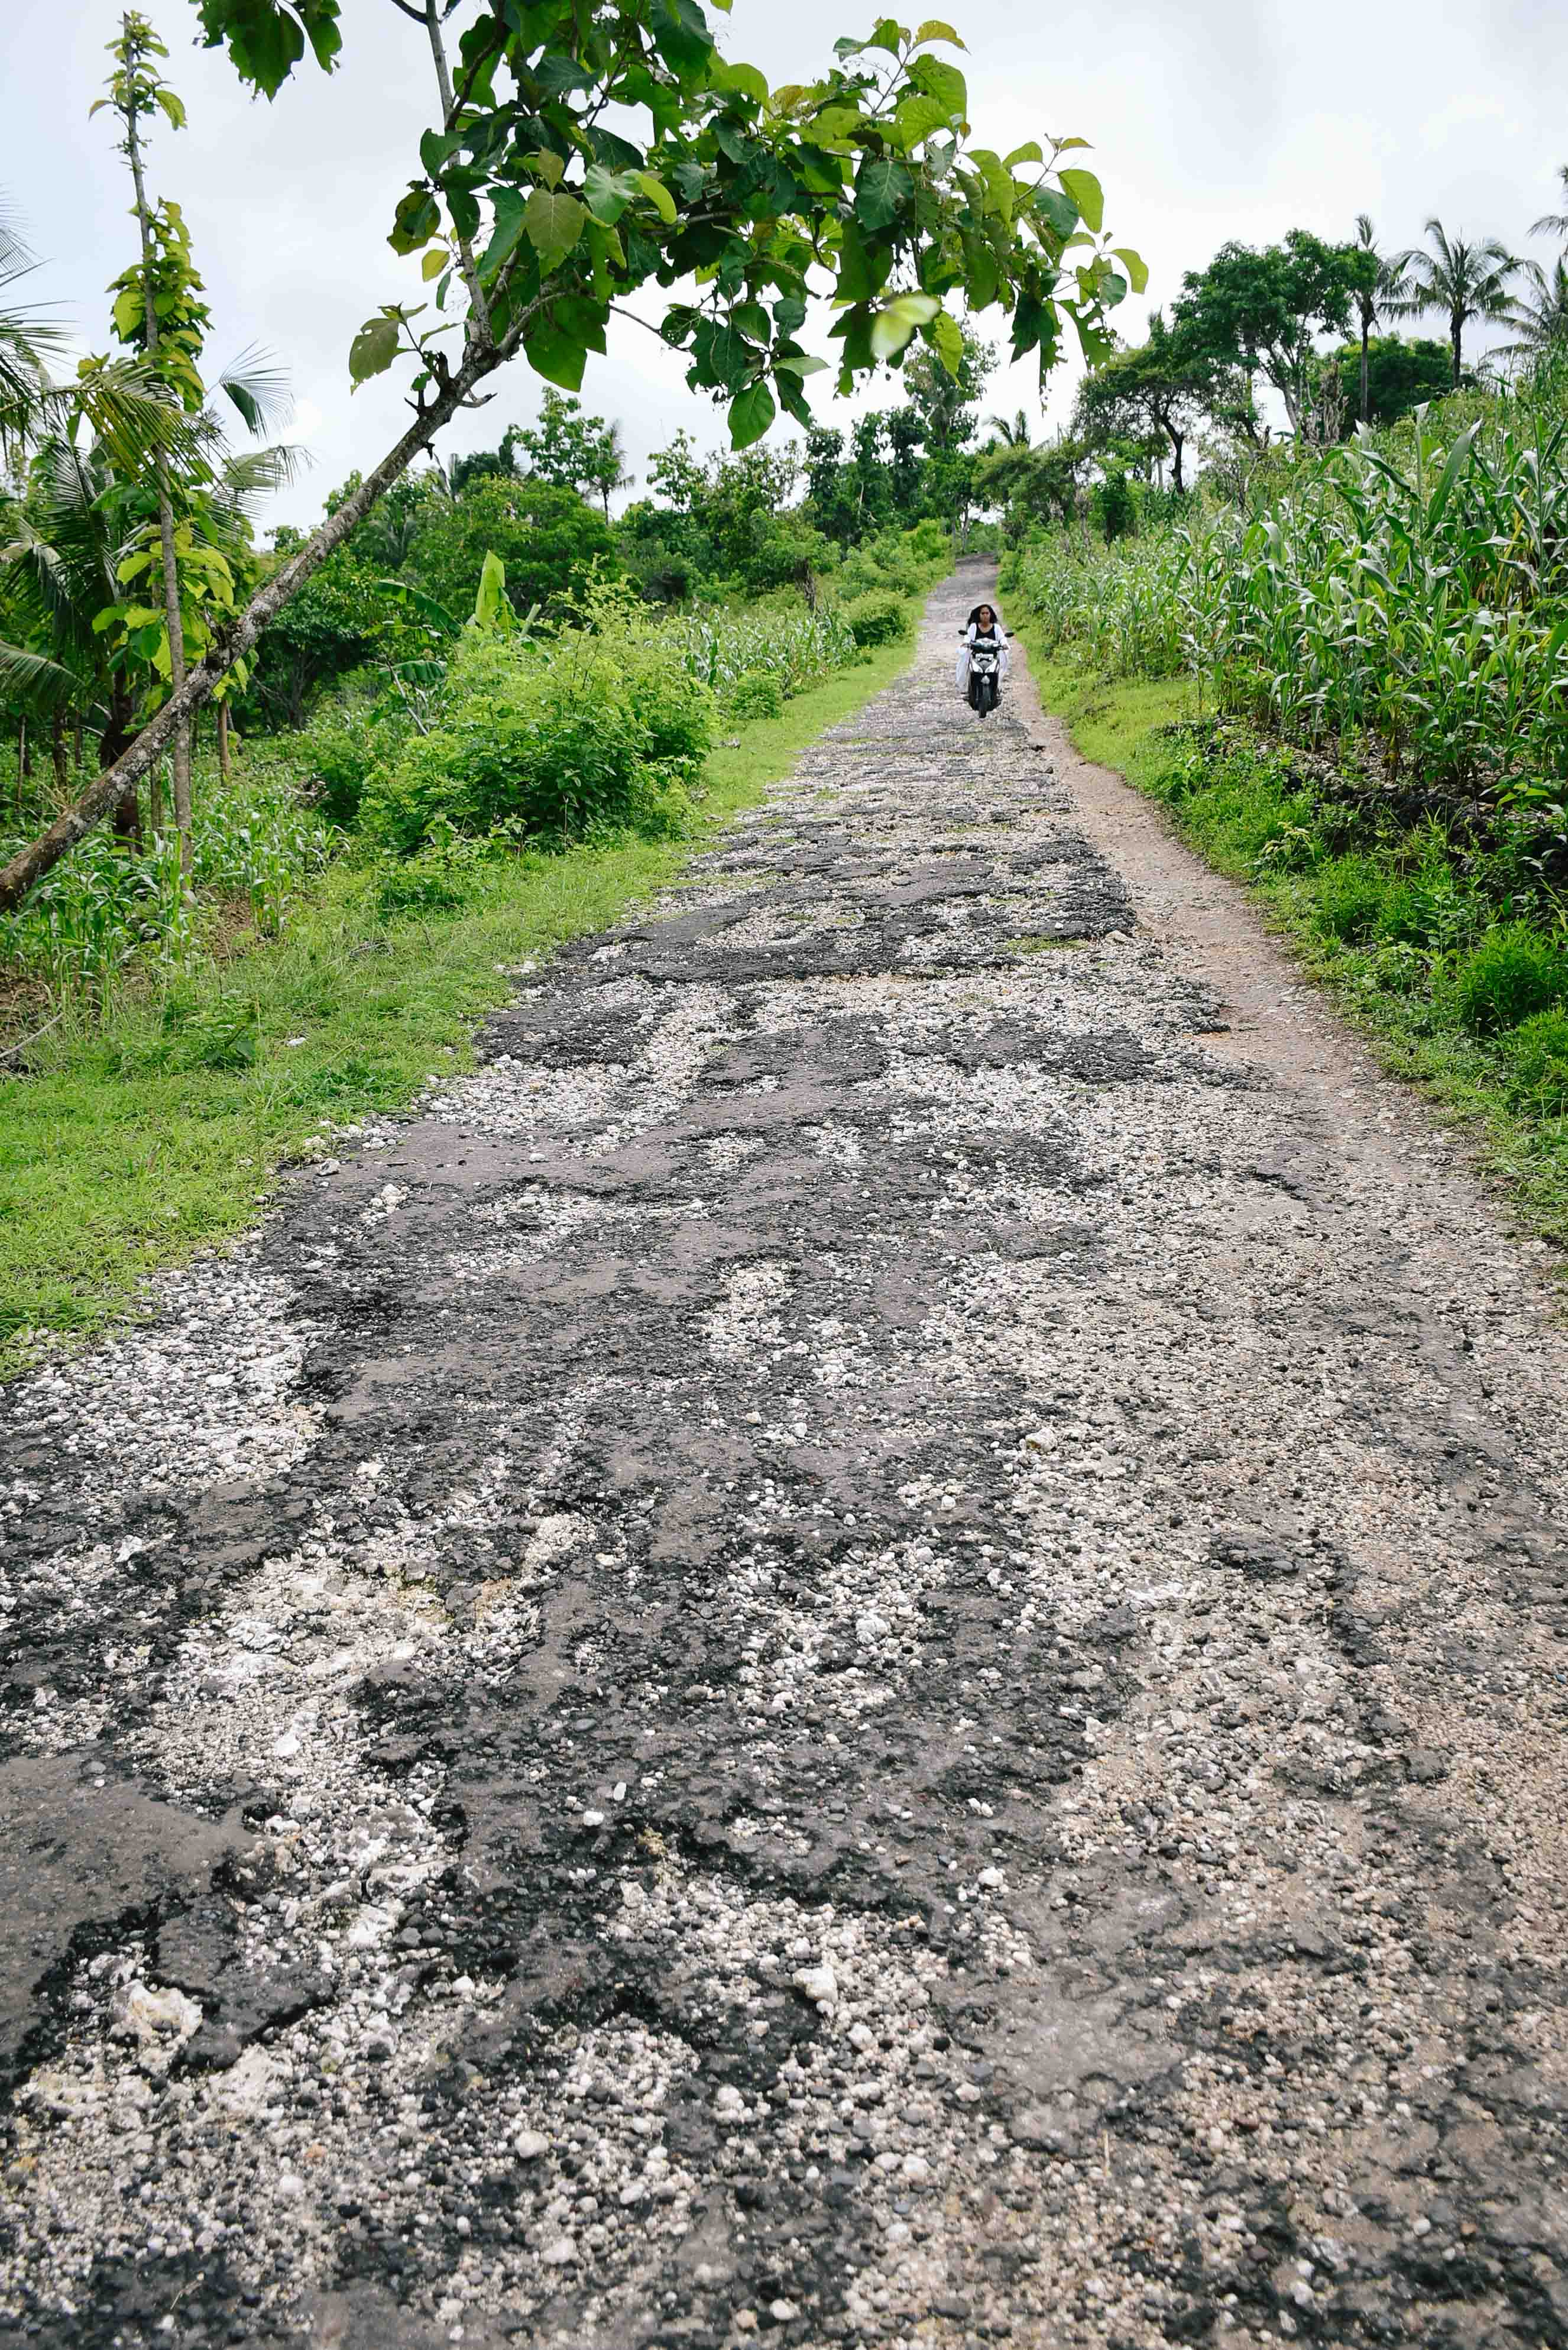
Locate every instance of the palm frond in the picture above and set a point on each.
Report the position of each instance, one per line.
(35, 680)
(136, 418)
(257, 389)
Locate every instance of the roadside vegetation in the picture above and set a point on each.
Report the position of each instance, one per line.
(1343, 666)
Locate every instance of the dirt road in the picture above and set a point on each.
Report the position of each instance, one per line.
(868, 1646)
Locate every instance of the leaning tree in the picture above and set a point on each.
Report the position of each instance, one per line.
(585, 150)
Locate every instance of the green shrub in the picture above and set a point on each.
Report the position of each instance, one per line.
(1513, 973)
(756, 693)
(599, 728)
(1351, 892)
(340, 750)
(877, 618)
(1538, 1057)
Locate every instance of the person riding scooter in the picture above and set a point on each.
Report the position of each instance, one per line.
(982, 663)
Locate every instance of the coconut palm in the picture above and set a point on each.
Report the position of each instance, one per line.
(1372, 301)
(1554, 223)
(26, 342)
(1540, 318)
(1009, 436)
(1459, 279)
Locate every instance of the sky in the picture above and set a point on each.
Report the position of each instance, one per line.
(1210, 119)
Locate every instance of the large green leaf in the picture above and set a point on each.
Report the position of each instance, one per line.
(1136, 267)
(895, 323)
(744, 79)
(946, 337)
(658, 195)
(554, 352)
(607, 192)
(916, 117)
(373, 350)
(554, 221)
(1088, 195)
(751, 414)
(861, 275)
(940, 80)
(266, 38)
(882, 190)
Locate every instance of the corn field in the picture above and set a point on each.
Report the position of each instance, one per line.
(1408, 603)
(104, 907)
(790, 643)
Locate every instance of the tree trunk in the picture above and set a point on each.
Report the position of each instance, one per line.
(224, 740)
(1457, 338)
(173, 616)
(24, 753)
(1366, 371)
(124, 773)
(112, 744)
(57, 746)
(1177, 443)
(79, 757)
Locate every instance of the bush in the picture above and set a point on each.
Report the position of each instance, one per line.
(599, 728)
(341, 748)
(756, 693)
(550, 541)
(1351, 892)
(1514, 973)
(1537, 1057)
(877, 618)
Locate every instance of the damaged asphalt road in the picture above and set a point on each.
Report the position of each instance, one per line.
(867, 1646)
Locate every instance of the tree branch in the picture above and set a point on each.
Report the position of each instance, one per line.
(480, 309)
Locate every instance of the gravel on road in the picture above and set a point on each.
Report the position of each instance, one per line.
(869, 1647)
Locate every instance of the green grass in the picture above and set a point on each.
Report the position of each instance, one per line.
(1420, 949)
(114, 1162)
(1111, 723)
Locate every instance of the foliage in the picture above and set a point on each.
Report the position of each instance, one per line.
(113, 909)
(756, 693)
(1407, 604)
(749, 188)
(1458, 278)
(943, 395)
(552, 543)
(573, 451)
(1402, 374)
(596, 729)
(1261, 311)
(876, 617)
(783, 639)
(1165, 387)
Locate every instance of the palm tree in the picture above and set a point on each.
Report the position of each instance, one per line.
(1384, 294)
(1461, 280)
(1541, 320)
(25, 342)
(1006, 435)
(1554, 223)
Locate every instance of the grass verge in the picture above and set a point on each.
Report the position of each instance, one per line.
(115, 1159)
(1442, 956)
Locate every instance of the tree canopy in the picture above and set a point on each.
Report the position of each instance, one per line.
(1263, 310)
(535, 221)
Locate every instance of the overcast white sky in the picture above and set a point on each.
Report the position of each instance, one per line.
(1210, 119)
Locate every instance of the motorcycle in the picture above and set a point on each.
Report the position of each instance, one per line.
(984, 688)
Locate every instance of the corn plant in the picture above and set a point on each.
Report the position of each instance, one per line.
(793, 645)
(1405, 599)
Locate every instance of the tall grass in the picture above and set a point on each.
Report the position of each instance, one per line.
(786, 641)
(108, 907)
(1403, 603)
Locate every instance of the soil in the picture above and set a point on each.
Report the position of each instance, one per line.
(867, 1646)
